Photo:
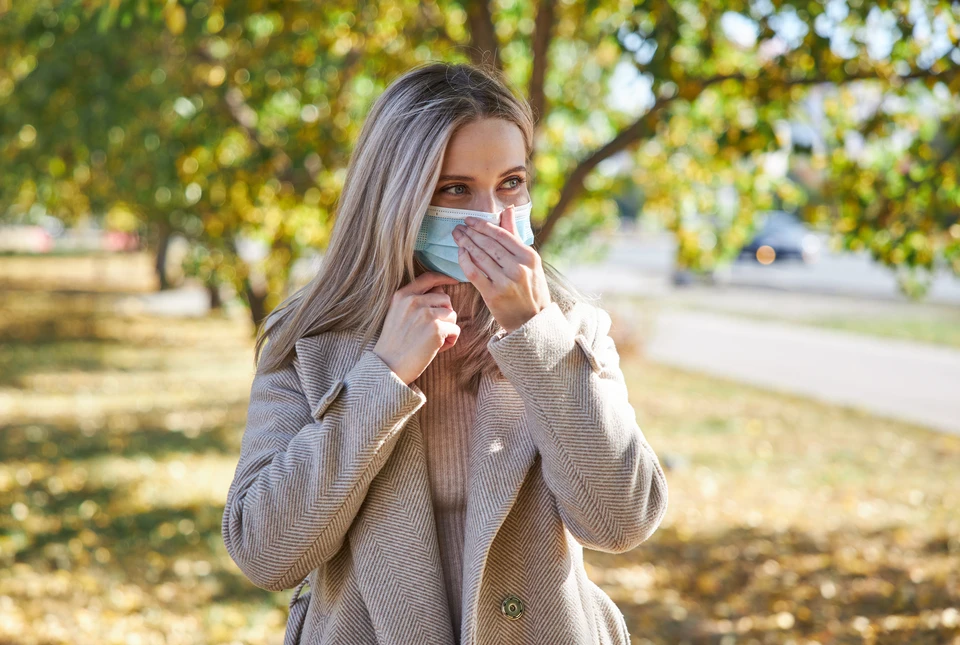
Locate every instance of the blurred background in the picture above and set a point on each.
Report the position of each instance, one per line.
(764, 193)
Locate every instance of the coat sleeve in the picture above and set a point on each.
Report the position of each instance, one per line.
(610, 488)
(303, 473)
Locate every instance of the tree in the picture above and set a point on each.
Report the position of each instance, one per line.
(235, 120)
(214, 120)
(890, 182)
(721, 80)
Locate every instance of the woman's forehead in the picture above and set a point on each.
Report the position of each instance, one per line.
(488, 147)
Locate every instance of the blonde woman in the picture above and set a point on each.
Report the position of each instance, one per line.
(439, 424)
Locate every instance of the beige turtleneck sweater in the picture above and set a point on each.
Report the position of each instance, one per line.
(446, 420)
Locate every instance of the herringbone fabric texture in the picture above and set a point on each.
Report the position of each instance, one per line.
(332, 484)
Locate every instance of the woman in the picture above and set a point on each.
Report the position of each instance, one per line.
(439, 423)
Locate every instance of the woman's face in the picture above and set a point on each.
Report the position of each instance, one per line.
(483, 168)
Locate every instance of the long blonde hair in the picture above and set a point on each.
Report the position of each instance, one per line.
(390, 179)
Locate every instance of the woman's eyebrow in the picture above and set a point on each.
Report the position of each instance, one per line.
(466, 178)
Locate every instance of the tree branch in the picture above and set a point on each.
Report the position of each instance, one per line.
(483, 35)
(645, 126)
(817, 79)
(541, 43)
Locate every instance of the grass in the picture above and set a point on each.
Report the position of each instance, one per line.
(939, 331)
(789, 521)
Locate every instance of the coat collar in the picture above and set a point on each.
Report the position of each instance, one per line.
(399, 501)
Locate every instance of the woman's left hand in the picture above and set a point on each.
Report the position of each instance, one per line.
(514, 287)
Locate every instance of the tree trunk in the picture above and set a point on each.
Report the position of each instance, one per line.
(160, 263)
(257, 302)
(216, 302)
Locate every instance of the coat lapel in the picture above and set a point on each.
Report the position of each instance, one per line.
(501, 452)
(394, 540)
(396, 551)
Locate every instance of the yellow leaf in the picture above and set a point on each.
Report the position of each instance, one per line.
(175, 17)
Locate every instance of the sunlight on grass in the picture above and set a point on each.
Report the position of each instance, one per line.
(788, 518)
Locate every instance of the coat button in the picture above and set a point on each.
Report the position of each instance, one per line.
(512, 607)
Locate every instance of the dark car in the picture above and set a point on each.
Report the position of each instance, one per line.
(781, 236)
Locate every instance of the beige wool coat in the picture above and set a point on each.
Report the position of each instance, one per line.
(331, 490)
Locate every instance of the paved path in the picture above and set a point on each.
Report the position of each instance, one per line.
(905, 380)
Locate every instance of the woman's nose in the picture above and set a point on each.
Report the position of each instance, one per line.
(488, 204)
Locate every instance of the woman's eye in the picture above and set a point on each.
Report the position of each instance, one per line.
(451, 190)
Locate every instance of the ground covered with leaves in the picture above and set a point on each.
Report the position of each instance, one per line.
(789, 521)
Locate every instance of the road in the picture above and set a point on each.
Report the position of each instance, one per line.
(913, 381)
(904, 380)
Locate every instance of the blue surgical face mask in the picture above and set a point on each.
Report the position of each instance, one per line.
(436, 247)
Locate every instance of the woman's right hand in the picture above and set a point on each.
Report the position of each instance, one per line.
(420, 323)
